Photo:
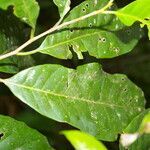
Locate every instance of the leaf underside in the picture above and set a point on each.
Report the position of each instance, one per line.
(102, 36)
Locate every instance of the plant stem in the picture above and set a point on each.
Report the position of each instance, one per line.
(1, 80)
(56, 27)
(28, 53)
(32, 33)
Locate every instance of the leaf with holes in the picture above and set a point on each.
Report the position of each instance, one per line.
(26, 10)
(63, 6)
(143, 141)
(132, 13)
(83, 141)
(102, 36)
(17, 135)
(87, 98)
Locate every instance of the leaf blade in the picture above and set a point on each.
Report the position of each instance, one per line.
(18, 135)
(26, 10)
(88, 87)
(81, 36)
(63, 6)
(143, 141)
(81, 140)
(132, 13)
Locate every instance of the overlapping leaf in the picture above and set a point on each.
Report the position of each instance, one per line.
(143, 142)
(83, 141)
(86, 98)
(103, 36)
(26, 10)
(63, 6)
(17, 135)
(139, 10)
(145, 125)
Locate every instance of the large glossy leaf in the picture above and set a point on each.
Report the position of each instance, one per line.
(83, 141)
(132, 13)
(143, 142)
(102, 36)
(16, 135)
(63, 6)
(26, 10)
(86, 98)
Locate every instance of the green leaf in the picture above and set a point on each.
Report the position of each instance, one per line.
(102, 36)
(83, 141)
(26, 10)
(87, 98)
(17, 135)
(145, 125)
(143, 141)
(138, 10)
(63, 6)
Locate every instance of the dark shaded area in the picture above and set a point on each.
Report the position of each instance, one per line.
(1, 135)
(136, 65)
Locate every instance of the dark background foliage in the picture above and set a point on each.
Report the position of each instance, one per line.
(136, 65)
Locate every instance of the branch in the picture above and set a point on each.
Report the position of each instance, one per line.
(58, 27)
(1, 80)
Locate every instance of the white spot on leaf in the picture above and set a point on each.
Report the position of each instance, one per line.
(24, 19)
(128, 139)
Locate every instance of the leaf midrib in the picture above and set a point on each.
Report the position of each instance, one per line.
(68, 97)
(71, 40)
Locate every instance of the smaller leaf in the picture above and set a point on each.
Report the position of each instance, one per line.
(83, 141)
(17, 135)
(145, 125)
(132, 13)
(63, 6)
(132, 138)
(26, 10)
